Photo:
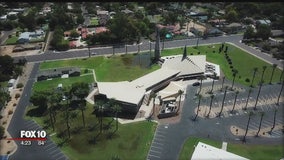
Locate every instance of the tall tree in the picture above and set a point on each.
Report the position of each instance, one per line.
(263, 31)
(274, 120)
(210, 107)
(235, 72)
(223, 80)
(250, 114)
(201, 78)
(260, 85)
(273, 69)
(214, 76)
(219, 115)
(249, 33)
(279, 95)
(116, 109)
(100, 108)
(236, 95)
(249, 92)
(81, 90)
(263, 70)
(199, 100)
(259, 127)
(255, 69)
(180, 92)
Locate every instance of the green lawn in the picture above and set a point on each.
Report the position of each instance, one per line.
(252, 152)
(12, 40)
(94, 21)
(257, 152)
(131, 141)
(242, 61)
(116, 68)
(188, 146)
(45, 85)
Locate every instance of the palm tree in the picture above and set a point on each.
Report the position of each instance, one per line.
(116, 109)
(81, 90)
(249, 92)
(255, 69)
(236, 95)
(68, 95)
(223, 80)
(226, 87)
(273, 69)
(274, 120)
(235, 72)
(261, 117)
(263, 70)
(260, 85)
(199, 100)
(100, 107)
(210, 107)
(214, 76)
(280, 93)
(201, 78)
(281, 76)
(180, 92)
(250, 114)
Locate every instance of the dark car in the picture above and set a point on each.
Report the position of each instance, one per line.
(196, 84)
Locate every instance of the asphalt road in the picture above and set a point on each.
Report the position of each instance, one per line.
(145, 46)
(5, 35)
(49, 151)
(169, 138)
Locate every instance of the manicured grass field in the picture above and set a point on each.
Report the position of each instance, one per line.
(117, 68)
(94, 21)
(48, 84)
(252, 152)
(131, 141)
(12, 40)
(257, 152)
(188, 146)
(242, 61)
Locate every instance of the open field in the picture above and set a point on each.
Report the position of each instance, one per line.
(125, 143)
(48, 84)
(241, 61)
(12, 40)
(253, 152)
(117, 68)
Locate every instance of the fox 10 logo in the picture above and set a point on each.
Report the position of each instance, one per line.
(31, 135)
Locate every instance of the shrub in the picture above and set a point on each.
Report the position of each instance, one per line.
(2, 131)
(14, 104)
(10, 112)
(17, 95)
(86, 70)
(1, 116)
(247, 80)
(20, 85)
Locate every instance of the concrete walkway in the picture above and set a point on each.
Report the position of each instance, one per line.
(224, 146)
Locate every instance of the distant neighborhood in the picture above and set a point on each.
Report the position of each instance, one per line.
(90, 24)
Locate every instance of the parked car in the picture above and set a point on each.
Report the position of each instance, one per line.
(196, 84)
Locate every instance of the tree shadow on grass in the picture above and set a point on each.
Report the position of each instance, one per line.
(36, 112)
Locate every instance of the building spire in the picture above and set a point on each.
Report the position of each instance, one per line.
(157, 45)
(184, 53)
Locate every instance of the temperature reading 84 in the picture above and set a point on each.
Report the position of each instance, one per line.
(40, 143)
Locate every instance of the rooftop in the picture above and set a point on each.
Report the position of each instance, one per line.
(205, 151)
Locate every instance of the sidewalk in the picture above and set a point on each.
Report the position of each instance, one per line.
(9, 147)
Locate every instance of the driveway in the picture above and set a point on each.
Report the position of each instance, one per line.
(168, 147)
(49, 151)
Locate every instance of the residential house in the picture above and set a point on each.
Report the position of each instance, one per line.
(263, 21)
(217, 22)
(24, 37)
(233, 28)
(214, 32)
(103, 17)
(3, 18)
(127, 11)
(58, 72)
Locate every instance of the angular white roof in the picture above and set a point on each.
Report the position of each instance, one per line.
(121, 91)
(154, 78)
(189, 65)
(206, 152)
